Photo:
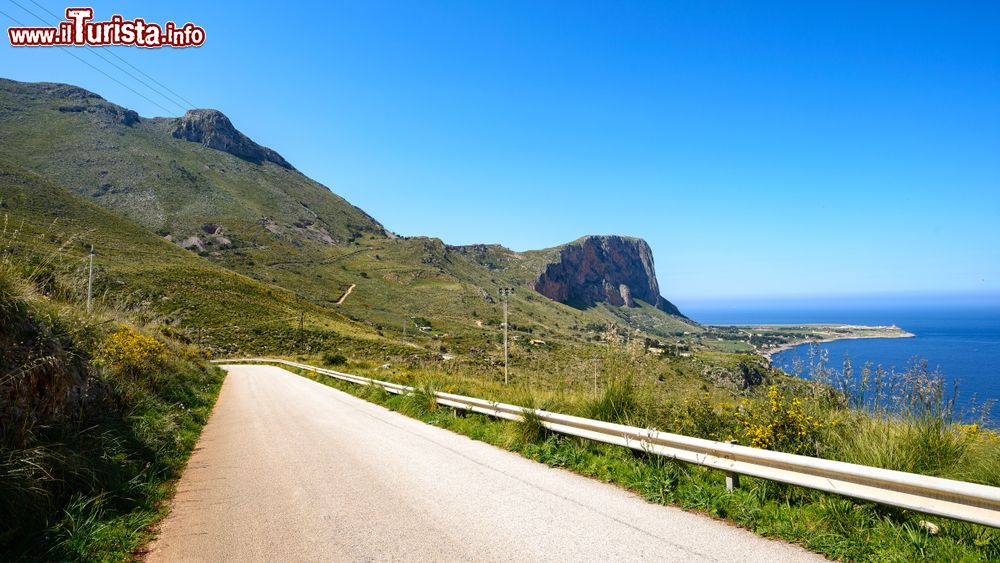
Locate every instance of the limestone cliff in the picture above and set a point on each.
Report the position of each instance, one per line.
(214, 130)
(603, 269)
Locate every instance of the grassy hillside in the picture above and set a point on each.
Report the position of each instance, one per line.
(282, 229)
(51, 230)
(265, 244)
(171, 186)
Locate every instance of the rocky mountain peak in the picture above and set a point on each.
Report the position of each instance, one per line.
(214, 130)
(603, 269)
(69, 99)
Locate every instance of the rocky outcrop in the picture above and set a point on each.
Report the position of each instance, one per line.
(603, 269)
(47, 380)
(214, 130)
(71, 99)
(107, 110)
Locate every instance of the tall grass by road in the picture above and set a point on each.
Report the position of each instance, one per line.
(98, 413)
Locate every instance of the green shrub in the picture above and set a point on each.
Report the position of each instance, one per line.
(333, 359)
(421, 401)
(699, 417)
(528, 430)
(617, 403)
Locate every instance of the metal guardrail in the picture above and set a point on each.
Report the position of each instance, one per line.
(968, 502)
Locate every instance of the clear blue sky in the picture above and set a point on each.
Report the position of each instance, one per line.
(763, 149)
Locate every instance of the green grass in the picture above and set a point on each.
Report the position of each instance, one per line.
(50, 230)
(88, 450)
(617, 403)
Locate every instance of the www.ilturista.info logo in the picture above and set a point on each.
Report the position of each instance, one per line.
(79, 30)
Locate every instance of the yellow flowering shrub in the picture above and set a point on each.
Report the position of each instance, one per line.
(977, 432)
(127, 350)
(780, 425)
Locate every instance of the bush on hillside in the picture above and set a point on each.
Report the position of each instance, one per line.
(781, 424)
(332, 359)
(127, 351)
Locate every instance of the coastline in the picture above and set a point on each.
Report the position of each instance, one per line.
(900, 333)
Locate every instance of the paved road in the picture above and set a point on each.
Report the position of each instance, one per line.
(291, 470)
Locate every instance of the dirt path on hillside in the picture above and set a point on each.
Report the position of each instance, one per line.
(346, 293)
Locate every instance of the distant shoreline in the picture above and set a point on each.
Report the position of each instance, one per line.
(877, 332)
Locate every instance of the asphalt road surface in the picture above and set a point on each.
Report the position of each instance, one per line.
(288, 469)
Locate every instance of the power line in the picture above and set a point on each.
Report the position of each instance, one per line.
(95, 53)
(103, 58)
(75, 56)
(90, 279)
(505, 292)
(182, 98)
(111, 52)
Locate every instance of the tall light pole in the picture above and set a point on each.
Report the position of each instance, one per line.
(90, 278)
(505, 292)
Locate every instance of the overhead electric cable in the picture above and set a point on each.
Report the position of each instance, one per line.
(111, 52)
(97, 54)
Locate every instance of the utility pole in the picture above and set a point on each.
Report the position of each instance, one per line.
(505, 292)
(90, 279)
(301, 319)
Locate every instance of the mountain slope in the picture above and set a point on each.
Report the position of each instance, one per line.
(198, 182)
(53, 229)
(138, 168)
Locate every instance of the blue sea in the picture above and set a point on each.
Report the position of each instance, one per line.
(961, 338)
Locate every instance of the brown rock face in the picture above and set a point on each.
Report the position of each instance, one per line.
(604, 269)
(214, 130)
(105, 110)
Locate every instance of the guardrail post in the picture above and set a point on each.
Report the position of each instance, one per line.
(732, 479)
